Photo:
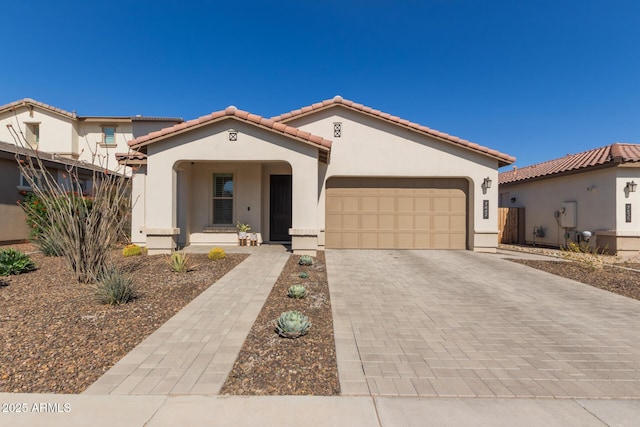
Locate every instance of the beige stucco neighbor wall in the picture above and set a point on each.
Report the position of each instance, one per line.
(92, 150)
(167, 158)
(56, 131)
(12, 224)
(600, 206)
(371, 147)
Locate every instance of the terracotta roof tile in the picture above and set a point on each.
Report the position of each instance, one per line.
(503, 159)
(609, 155)
(230, 111)
(132, 155)
(28, 101)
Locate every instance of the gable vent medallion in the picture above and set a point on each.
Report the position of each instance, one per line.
(337, 129)
(233, 135)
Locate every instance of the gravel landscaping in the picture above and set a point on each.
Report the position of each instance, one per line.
(623, 281)
(271, 365)
(57, 339)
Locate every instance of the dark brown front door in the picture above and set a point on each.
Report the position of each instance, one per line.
(280, 208)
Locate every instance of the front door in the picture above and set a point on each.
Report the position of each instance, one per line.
(280, 208)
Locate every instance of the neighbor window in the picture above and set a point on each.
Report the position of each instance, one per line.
(33, 134)
(24, 182)
(109, 135)
(223, 199)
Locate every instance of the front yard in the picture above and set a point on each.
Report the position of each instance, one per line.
(57, 339)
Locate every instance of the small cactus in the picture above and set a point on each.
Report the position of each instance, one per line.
(216, 254)
(297, 291)
(305, 260)
(132, 250)
(303, 275)
(292, 324)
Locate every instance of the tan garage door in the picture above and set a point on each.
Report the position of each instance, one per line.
(400, 213)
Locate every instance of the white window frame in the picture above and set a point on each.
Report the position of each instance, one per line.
(104, 142)
(214, 197)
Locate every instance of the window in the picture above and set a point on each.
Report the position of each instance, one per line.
(24, 182)
(109, 135)
(33, 134)
(223, 199)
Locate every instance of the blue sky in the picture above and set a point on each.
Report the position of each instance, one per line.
(536, 79)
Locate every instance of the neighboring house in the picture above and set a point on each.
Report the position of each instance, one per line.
(90, 139)
(593, 191)
(13, 226)
(335, 174)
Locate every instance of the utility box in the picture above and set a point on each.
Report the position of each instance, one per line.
(568, 215)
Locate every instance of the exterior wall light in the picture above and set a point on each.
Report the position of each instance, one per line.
(631, 187)
(486, 184)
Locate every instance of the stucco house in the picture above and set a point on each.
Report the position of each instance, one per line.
(593, 191)
(335, 174)
(13, 226)
(90, 139)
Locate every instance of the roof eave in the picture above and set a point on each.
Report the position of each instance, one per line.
(138, 146)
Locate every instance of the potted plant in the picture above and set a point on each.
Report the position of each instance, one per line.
(242, 232)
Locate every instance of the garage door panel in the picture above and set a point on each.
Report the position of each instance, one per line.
(369, 204)
(350, 204)
(405, 222)
(386, 241)
(396, 213)
(386, 222)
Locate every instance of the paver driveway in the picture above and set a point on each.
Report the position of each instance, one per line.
(458, 323)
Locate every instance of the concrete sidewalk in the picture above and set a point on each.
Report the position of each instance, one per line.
(155, 411)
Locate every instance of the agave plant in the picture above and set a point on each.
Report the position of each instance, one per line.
(305, 260)
(292, 324)
(303, 275)
(297, 291)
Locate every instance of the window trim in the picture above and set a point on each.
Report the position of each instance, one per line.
(214, 197)
(23, 185)
(32, 131)
(103, 141)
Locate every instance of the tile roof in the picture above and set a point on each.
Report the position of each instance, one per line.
(8, 149)
(610, 155)
(504, 159)
(232, 112)
(131, 156)
(28, 101)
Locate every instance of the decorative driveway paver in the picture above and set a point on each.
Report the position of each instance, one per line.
(458, 323)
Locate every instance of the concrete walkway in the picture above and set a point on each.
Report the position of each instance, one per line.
(282, 411)
(194, 351)
(415, 332)
(462, 324)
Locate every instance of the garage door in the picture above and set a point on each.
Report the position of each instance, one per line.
(396, 213)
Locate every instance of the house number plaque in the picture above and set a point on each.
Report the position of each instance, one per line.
(485, 209)
(627, 212)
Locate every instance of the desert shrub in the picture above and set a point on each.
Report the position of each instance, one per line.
(132, 250)
(303, 275)
(216, 254)
(179, 262)
(113, 287)
(305, 260)
(14, 262)
(48, 246)
(588, 257)
(292, 324)
(81, 229)
(297, 291)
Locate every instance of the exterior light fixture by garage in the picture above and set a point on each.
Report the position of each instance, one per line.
(631, 187)
(486, 184)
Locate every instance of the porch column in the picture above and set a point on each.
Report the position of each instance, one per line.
(304, 228)
(161, 228)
